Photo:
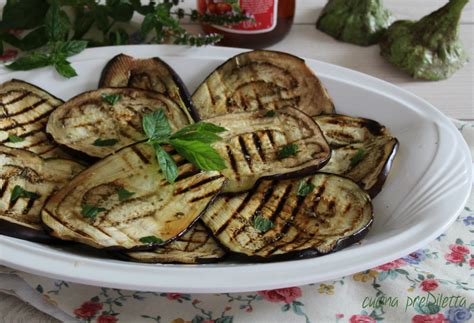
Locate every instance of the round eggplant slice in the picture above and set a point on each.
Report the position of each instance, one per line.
(366, 163)
(26, 183)
(196, 246)
(125, 202)
(341, 130)
(292, 218)
(25, 110)
(103, 121)
(286, 144)
(262, 79)
(151, 74)
(362, 150)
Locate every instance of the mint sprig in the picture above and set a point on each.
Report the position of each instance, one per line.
(193, 142)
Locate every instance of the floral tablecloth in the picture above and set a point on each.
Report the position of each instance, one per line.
(433, 284)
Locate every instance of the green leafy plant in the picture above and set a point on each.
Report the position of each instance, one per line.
(360, 22)
(55, 35)
(193, 142)
(429, 48)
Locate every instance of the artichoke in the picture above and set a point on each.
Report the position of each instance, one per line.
(429, 48)
(361, 22)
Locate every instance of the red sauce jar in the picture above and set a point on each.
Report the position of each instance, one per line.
(272, 20)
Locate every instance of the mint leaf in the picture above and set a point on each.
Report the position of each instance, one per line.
(14, 139)
(104, 142)
(72, 47)
(202, 136)
(287, 151)
(270, 113)
(111, 98)
(123, 194)
(305, 188)
(358, 157)
(29, 62)
(91, 211)
(64, 68)
(200, 154)
(156, 125)
(262, 224)
(148, 24)
(57, 23)
(198, 127)
(150, 240)
(18, 192)
(167, 163)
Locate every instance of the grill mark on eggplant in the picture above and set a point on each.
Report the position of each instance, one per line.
(4, 187)
(25, 135)
(140, 155)
(245, 152)
(270, 137)
(211, 95)
(23, 95)
(29, 206)
(187, 174)
(196, 185)
(197, 198)
(29, 108)
(18, 124)
(237, 210)
(233, 162)
(258, 146)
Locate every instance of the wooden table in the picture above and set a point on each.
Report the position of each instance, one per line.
(455, 96)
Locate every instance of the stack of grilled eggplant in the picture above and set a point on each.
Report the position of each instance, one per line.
(298, 180)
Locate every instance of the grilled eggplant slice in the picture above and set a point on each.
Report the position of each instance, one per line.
(92, 125)
(255, 142)
(196, 246)
(154, 212)
(362, 150)
(273, 222)
(258, 80)
(151, 74)
(26, 182)
(24, 112)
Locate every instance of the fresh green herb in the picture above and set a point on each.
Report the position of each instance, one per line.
(304, 188)
(14, 139)
(262, 224)
(270, 113)
(104, 142)
(150, 240)
(51, 31)
(19, 192)
(91, 211)
(167, 164)
(156, 126)
(123, 194)
(358, 157)
(111, 98)
(287, 151)
(192, 142)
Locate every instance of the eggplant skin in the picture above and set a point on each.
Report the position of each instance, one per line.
(151, 74)
(24, 112)
(334, 215)
(196, 246)
(253, 141)
(82, 120)
(21, 218)
(156, 208)
(348, 136)
(262, 79)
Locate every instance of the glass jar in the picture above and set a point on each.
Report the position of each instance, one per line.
(272, 20)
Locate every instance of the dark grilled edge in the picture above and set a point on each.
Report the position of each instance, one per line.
(382, 176)
(36, 87)
(19, 231)
(183, 90)
(306, 253)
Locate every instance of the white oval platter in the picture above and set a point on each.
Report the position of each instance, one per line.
(427, 188)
